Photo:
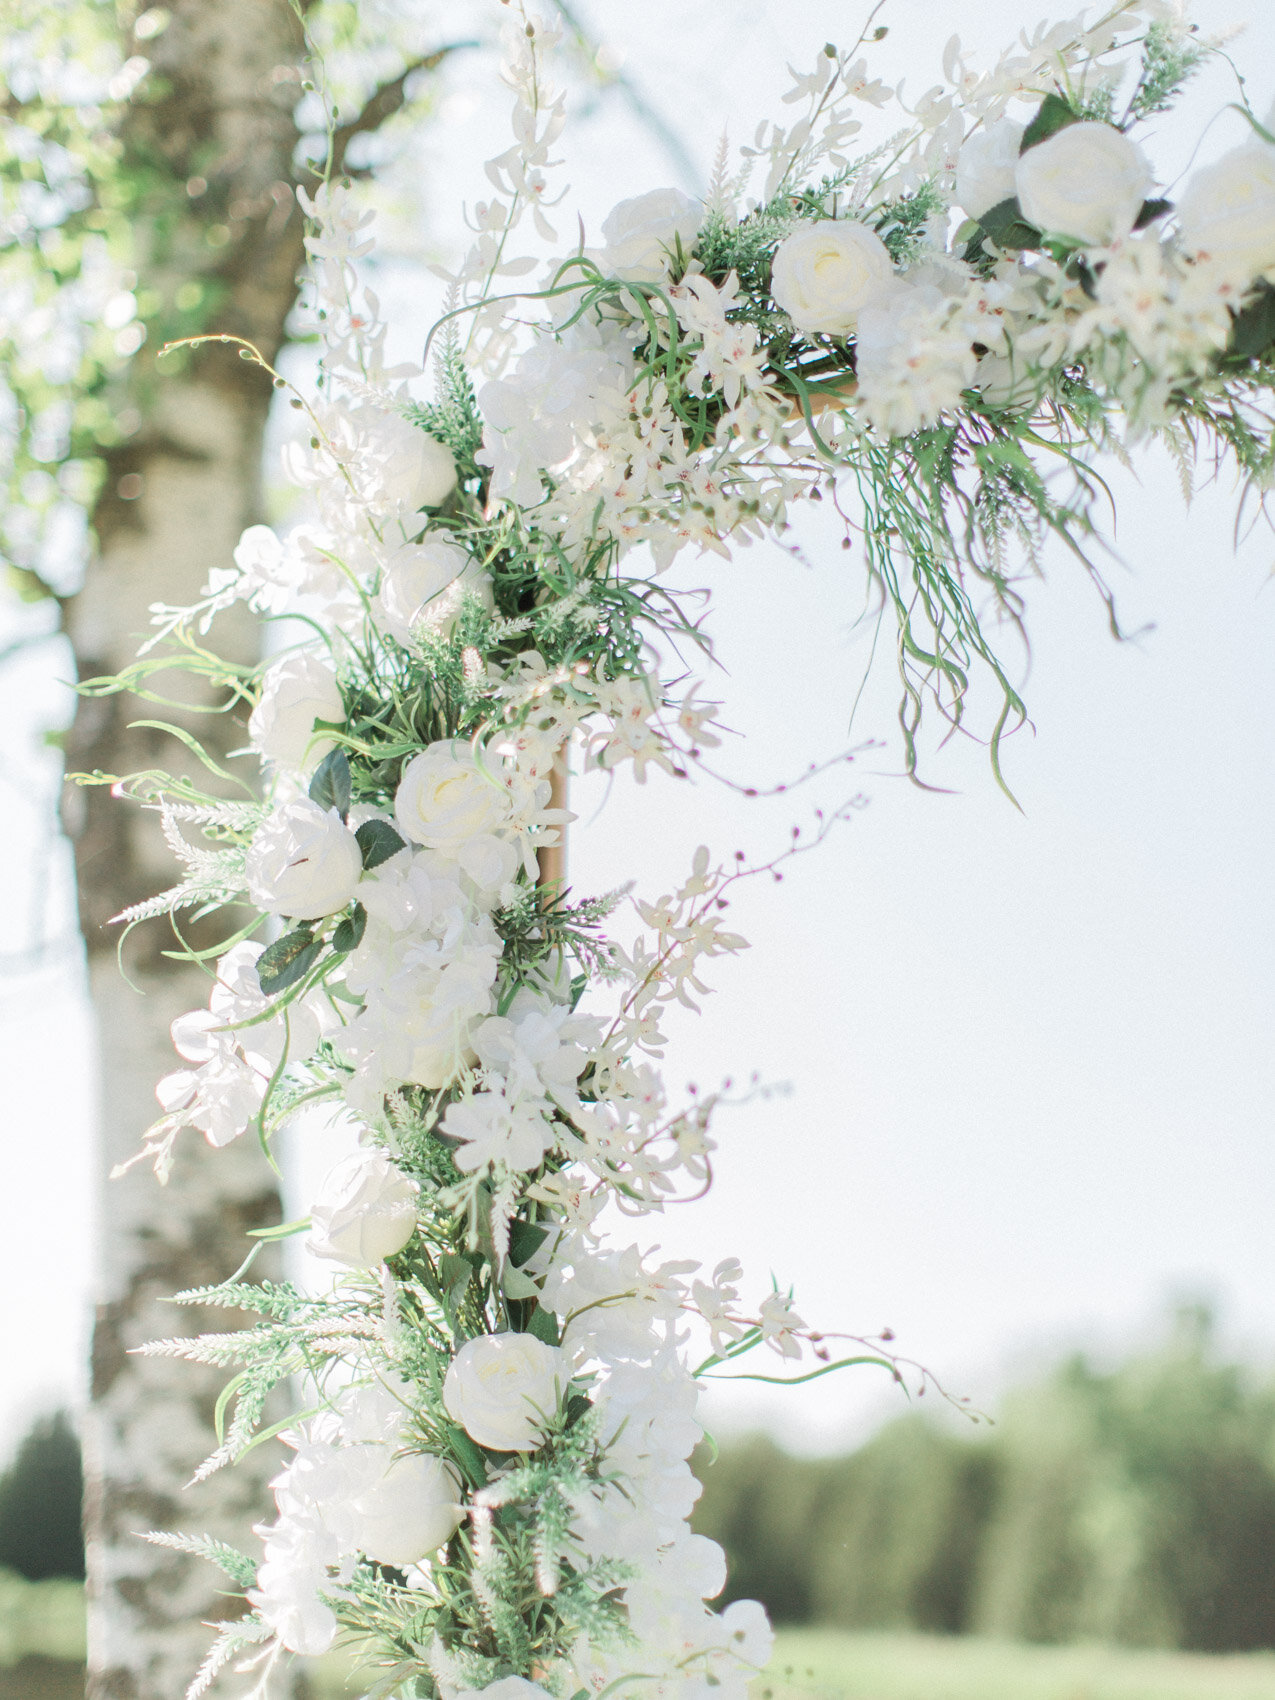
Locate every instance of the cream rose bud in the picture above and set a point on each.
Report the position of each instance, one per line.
(503, 1389)
(365, 1211)
(426, 582)
(825, 273)
(295, 692)
(1227, 212)
(412, 469)
(410, 1512)
(642, 234)
(986, 167)
(1088, 181)
(444, 799)
(304, 862)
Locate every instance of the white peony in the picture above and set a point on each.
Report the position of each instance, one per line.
(986, 167)
(1227, 212)
(444, 799)
(825, 273)
(304, 862)
(503, 1389)
(425, 582)
(365, 1211)
(642, 234)
(408, 468)
(295, 692)
(410, 1512)
(1087, 181)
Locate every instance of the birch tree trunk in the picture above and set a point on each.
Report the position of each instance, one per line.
(207, 151)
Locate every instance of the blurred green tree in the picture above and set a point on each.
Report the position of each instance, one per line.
(40, 1498)
(1132, 1505)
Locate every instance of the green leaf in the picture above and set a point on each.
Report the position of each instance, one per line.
(1005, 225)
(350, 931)
(1152, 210)
(281, 1230)
(378, 841)
(524, 1239)
(1055, 114)
(544, 1325)
(515, 1285)
(330, 787)
(1253, 332)
(287, 960)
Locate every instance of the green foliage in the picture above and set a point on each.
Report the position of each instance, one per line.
(40, 1498)
(1133, 1505)
(1167, 63)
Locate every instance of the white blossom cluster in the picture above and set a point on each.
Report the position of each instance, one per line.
(504, 1395)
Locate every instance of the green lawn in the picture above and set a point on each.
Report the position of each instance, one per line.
(830, 1665)
(42, 1642)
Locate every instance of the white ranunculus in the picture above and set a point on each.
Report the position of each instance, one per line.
(426, 582)
(295, 692)
(825, 272)
(1087, 181)
(304, 862)
(365, 1211)
(986, 167)
(641, 234)
(503, 1389)
(1227, 212)
(444, 799)
(410, 1512)
(409, 469)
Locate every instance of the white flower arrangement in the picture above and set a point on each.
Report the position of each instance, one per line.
(492, 1488)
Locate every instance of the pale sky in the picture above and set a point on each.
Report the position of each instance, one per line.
(1031, 1077)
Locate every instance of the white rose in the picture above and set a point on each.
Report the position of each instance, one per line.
(1088, 181)
(304, 862)
(444, 799)
(641, 234)
(503, 1388)
(426, 581)
(365, 1212)
(295, 692)
(410, 1512)
(1227, 212)
(825, 272)
(412, 470)
(986, 166)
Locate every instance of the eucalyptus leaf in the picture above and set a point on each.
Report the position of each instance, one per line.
(524, 1239)
(287, 960)
(1005, 225)
(350, 931)
(330, 787)
(544, 1325)
(1152, 210)
(1253, 331)
(378, 841)
(1055, 114)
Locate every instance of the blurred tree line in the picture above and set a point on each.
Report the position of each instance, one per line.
(1132, 1505)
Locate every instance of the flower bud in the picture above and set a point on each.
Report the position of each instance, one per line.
(410, 1512)
(295, 692)
(365, 1211)
(304, 862)
(504, 1388)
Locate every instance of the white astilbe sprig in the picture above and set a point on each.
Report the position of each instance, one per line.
(214, 875)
